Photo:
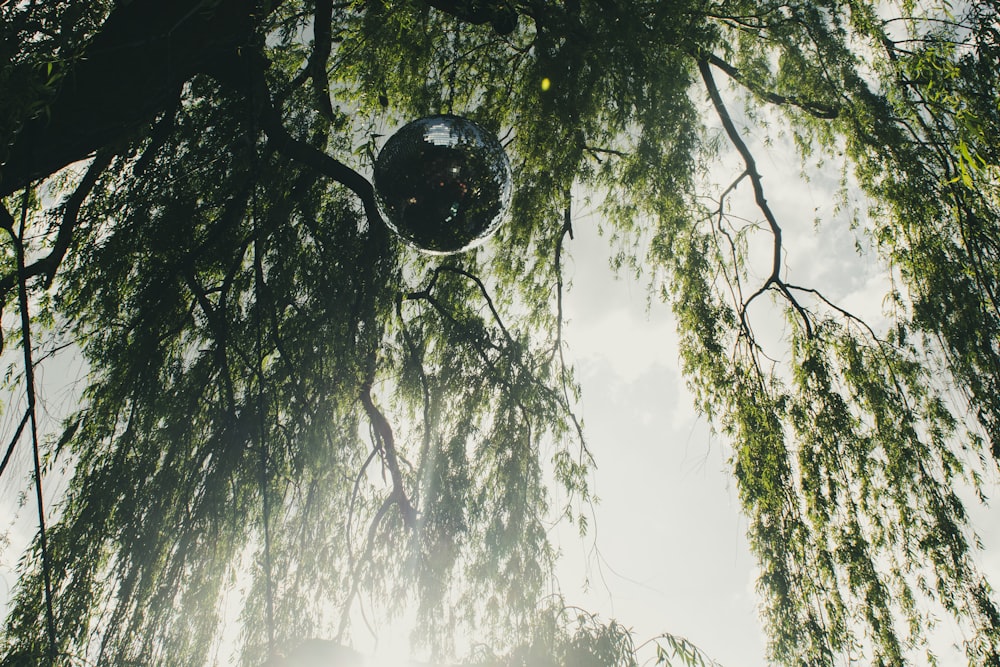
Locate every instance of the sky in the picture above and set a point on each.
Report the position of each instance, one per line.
(667, 550)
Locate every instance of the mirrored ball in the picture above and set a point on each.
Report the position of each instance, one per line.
(443, 183)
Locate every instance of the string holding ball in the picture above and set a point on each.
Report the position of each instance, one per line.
(443, 183)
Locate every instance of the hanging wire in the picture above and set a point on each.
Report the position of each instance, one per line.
(29, 379)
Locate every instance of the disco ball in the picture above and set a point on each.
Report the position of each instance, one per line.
(443, 183)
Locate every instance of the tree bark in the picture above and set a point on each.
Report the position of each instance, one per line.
(134, 68)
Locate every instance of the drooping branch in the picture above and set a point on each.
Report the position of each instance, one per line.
(481, 342)
(49, 265)
(245, 74)
(486, 296)
(758, 190)
(301, 151)
(384, 433)
(356, 566)
(13, 443)
(425, 390)
(567, 230)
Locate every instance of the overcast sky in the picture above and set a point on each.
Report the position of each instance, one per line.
(671, 553)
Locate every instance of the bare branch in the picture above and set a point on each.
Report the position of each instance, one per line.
(758, 190)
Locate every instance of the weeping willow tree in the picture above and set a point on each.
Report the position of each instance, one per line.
(283, 397)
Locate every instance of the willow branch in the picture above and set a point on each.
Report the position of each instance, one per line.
(424, 386)
(320, 56)
(13, 443)
(384, 432)
(758, 190)
(245, 73)
(817, 109)
(486, 295)
(356, 574)
(355, 491)
(49, 265)
(567, 230)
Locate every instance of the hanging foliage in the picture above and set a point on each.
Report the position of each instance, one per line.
(203, 227)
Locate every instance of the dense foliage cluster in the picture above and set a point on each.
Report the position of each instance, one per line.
(279, 387)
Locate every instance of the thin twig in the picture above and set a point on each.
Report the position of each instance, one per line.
(13, 443)
(567, 230)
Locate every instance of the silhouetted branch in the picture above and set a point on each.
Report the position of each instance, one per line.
(270, 122)
(758, 191)
(383, 432)
(49, 265)
(486, 296)
(356, 575)
(567, 230)
(13, 443)
(318, 59)
(424, 388)
(817, 109)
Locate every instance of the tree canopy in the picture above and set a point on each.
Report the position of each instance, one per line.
(280, 392)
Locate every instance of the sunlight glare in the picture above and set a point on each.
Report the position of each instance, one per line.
(388, 659)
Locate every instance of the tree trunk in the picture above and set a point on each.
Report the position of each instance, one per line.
(130, 71)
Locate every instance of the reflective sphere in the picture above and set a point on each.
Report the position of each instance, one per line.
(443, 183)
